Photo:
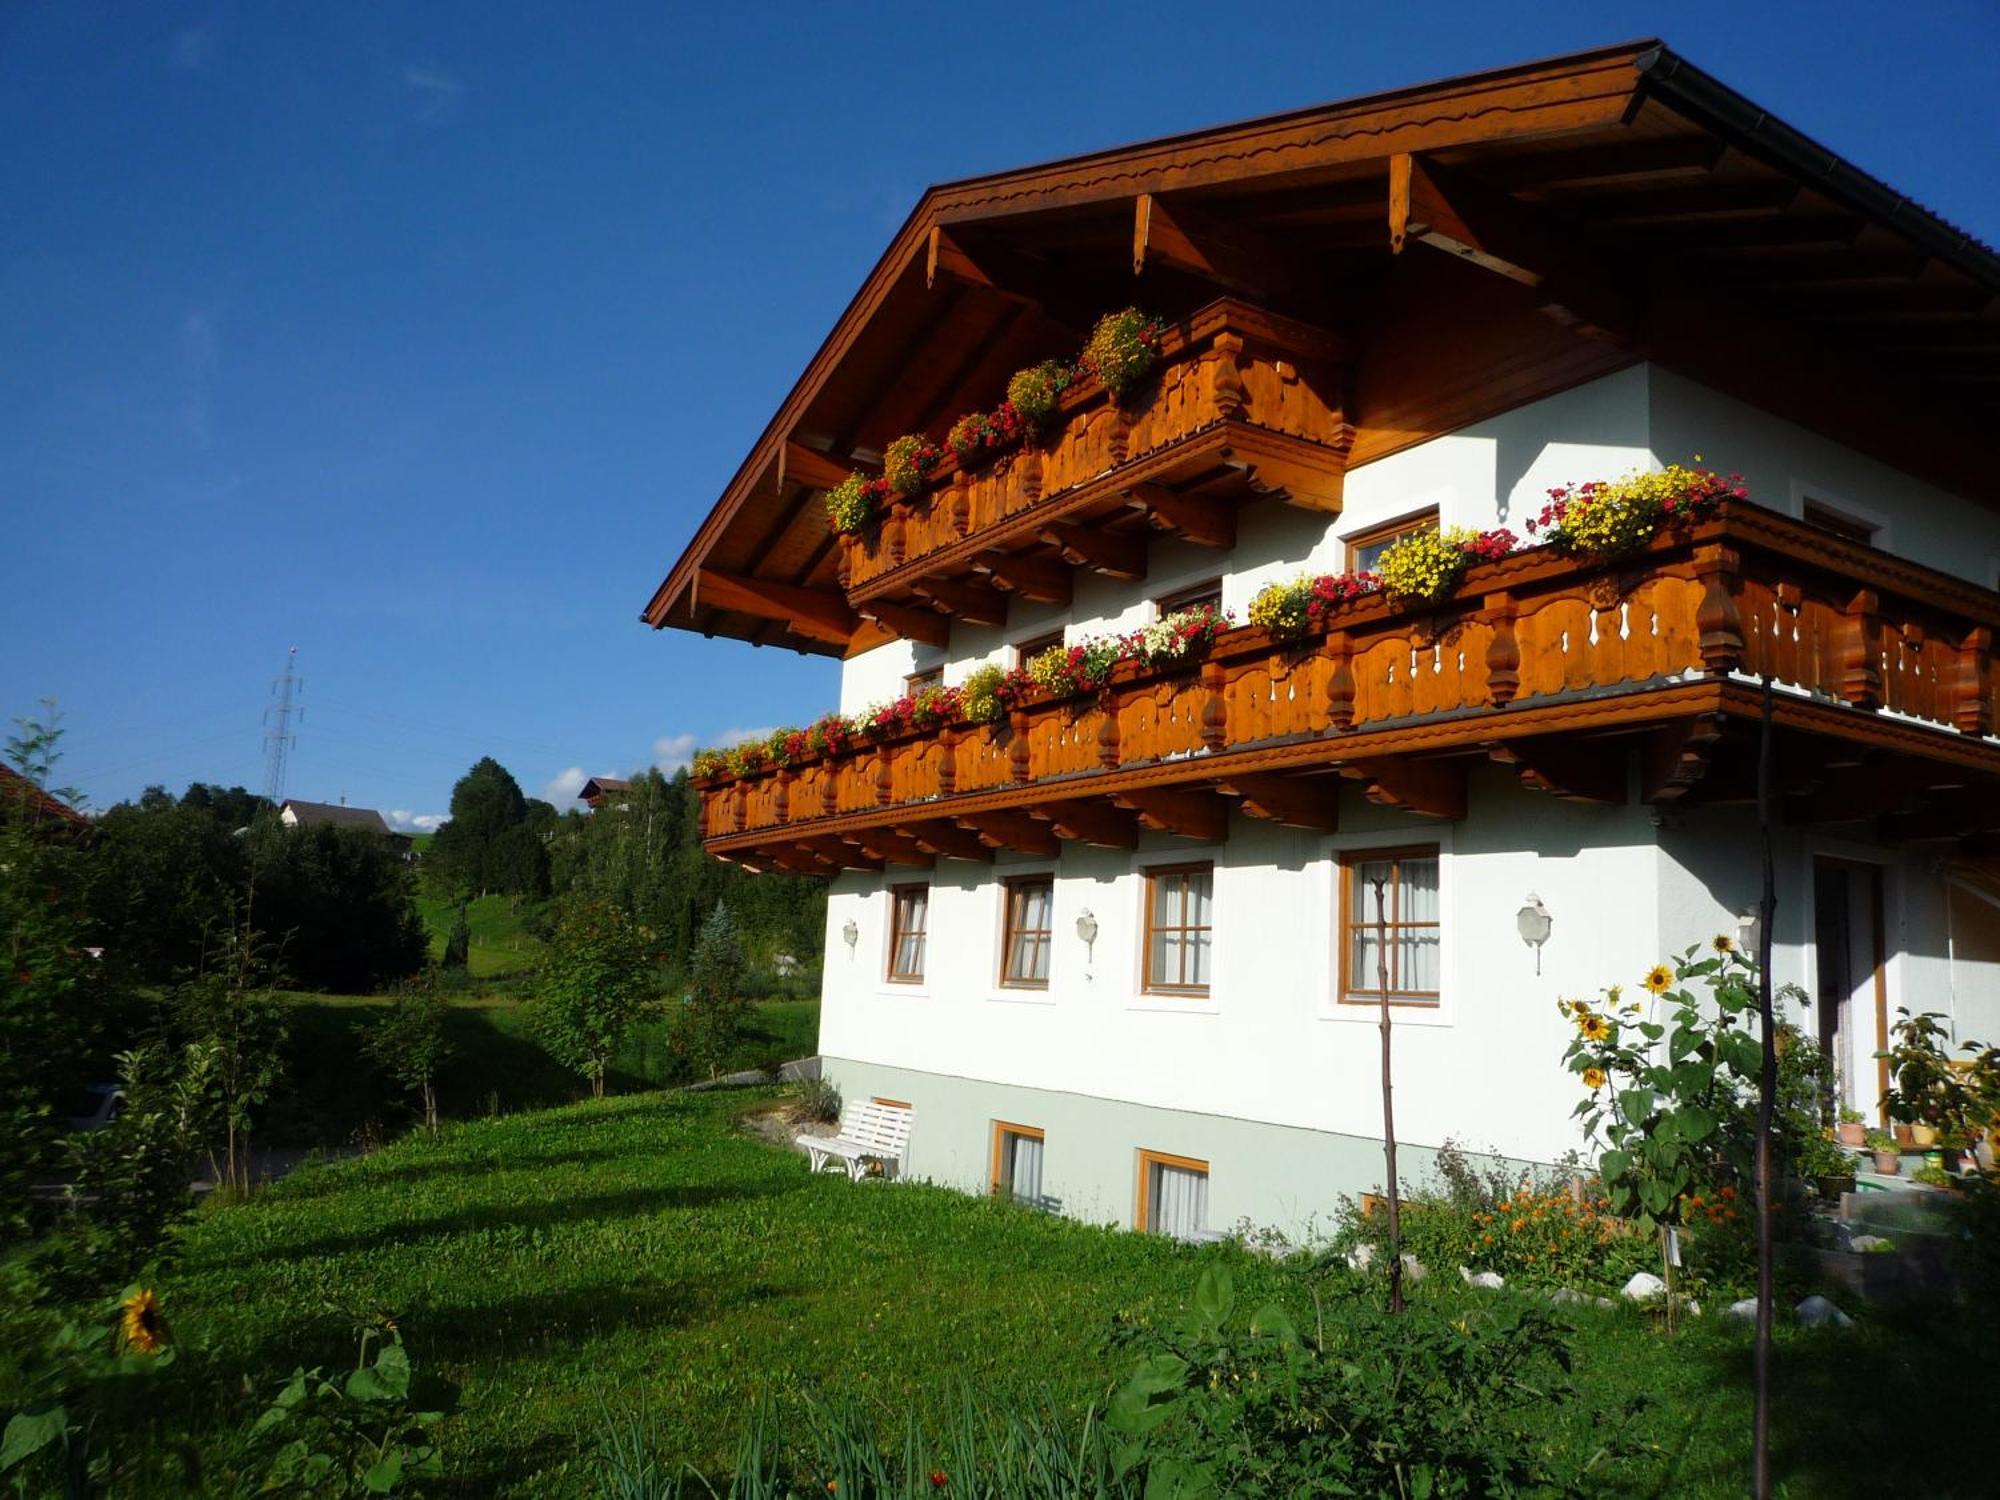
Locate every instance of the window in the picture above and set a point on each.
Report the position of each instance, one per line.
(1028, 650)
(916, 682)
(1365, 548)
(1173, 1195)
(1826, 518)
(1017, 1162)
(1179, 922)
(1407, 880)
(1208, 592)
(1025, 940)
(909, 911)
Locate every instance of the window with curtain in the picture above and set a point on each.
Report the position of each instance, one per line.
(1179, 929)
(1173, 1195)
(1365, 548)
(1195, 596)
(1017, 1162)
(1389, 907)
(1026, 939)
(909, 912)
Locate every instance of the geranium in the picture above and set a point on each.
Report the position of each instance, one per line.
(831, 734)
(1180, 636)
(1122, 349)
(1294, 606)
(982, 432)
(855, 503)
(1600, 517)
(1081, 668)
(907, 464)
(1427, 565)
(885, 719)
(934, 705)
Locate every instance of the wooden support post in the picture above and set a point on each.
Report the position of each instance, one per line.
(1973, 712)
(1215, 712)
(1503, 652)
(1861, 651)
(1717, 617)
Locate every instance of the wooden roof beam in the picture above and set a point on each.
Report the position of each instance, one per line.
(1113, 556)
(837, 854)
(1573, 772)
(1190, 814)
(1452, 213)
(1207, 523)
(924, 625)
(1173, 232)
(1090, 821)
(945, 839)
(798, 464)
(1296, 802)
(1040, 579)
(891, 848)
(1591, 166)
(813, 613)
(974, 603)
(1012, 830)
(1434, 788)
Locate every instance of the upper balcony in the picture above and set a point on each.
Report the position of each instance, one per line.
(1241, 404)
(1596, 680)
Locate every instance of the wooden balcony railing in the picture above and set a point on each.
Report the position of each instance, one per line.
(1240, 399)
(1536, 643)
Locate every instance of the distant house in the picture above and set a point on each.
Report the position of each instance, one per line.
(600, 789)
(295, 814)
(38, 804)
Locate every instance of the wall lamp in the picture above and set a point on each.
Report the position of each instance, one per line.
(1086, 928)
(850, 933)
(1534, 924)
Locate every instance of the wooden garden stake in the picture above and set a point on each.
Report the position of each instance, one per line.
(1767, 1090)
(1388, 1107)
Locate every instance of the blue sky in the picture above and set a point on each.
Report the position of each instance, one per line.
(421, 337)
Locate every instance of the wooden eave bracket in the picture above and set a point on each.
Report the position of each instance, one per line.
(1173, 232)
(1013, 830)
(1677, 756)
(1207, 523)
(1573, 772)
(798, 464)
(1090, 821)
(1431, 787)
(925, 625)
(975, 603)
(949, 840)
(1190, 814)
(1296, 802)
(812, 613)
(1114, 556)
(1045, 581)
(1464, 218)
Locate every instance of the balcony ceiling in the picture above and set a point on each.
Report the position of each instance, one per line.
(1643, 209)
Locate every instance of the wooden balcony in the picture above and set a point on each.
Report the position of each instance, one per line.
(1242, 403)
(1591, 680)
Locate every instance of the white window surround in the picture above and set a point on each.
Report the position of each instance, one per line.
(1332, 872)
(1838, 501)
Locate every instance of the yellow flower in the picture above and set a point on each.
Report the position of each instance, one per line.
(1595, 1028)
(1724, 943)
(1659, 979)
(142, 1325)
(1593, 1079)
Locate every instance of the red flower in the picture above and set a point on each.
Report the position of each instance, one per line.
(938, 1479)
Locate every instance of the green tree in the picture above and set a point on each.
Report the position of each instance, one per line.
(410, 1043)
(487, 847)
(599, 978)
(710, 1023)
(36, 746)
(231, 1008)
(458, 941)
(341, 901)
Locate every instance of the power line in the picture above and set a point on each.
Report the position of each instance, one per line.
(279, 738)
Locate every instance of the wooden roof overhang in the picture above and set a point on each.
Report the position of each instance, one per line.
(1472, 244)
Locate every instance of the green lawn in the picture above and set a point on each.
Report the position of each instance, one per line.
(642, 1254)
(501, 947)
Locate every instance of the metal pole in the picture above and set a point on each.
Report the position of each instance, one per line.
(1388, 1106)
(1767, 1091)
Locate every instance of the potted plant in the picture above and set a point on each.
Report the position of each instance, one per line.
(1903, 1135)
(1888, 1157)
(1936, 1097)
(1850, 1131)
(1923, 1135)
(1829, 1168)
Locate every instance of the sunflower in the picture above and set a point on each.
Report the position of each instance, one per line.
(1594, 1027)
(1659, 979)
(1593, 1079)
(142, 1325)
(1724, 943)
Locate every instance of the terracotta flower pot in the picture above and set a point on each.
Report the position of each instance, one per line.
(1851, 1133)
(1888, 1163)
(1902, 1134)
(1923, 1137)
(1831, 1186)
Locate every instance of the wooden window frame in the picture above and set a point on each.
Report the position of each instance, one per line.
(896, 895)
(1143, 1211)
(916, 682)
(1008, 887)
(998, 1187)
(1844, 524)
(1026, 651)
(1385, 531)
(1147, 983)
(1209, 589)
(1349, 858)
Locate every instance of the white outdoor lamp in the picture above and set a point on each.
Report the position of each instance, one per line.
(1086, 928)
(1534, 924)
(850, 933)
(1750, 930)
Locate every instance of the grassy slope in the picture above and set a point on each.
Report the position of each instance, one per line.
(640, 1254)
(501, 942)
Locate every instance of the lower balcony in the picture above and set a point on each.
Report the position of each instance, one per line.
(1597, 680)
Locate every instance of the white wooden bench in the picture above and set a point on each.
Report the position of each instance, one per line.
(869, 1132)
